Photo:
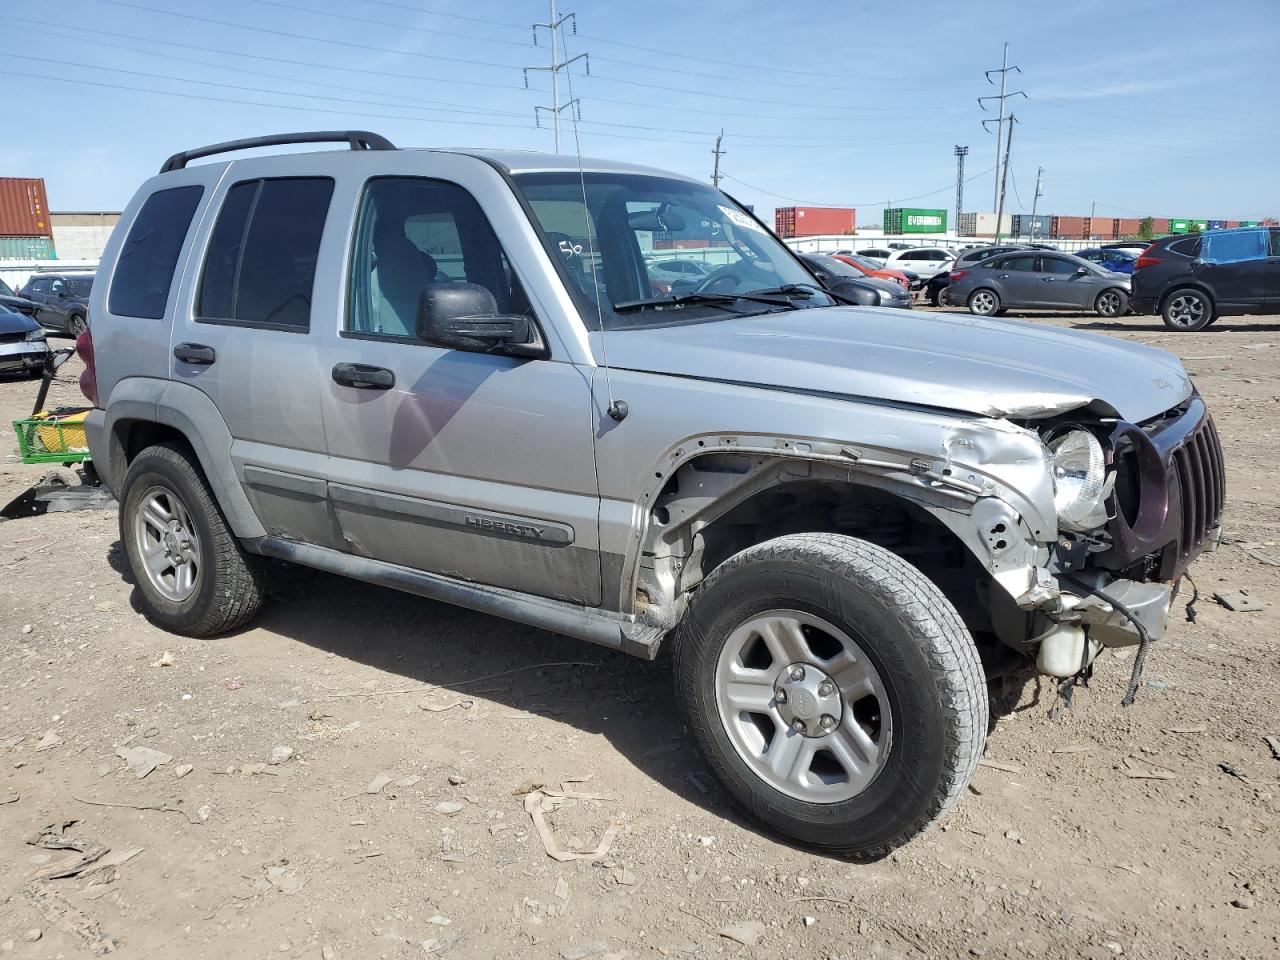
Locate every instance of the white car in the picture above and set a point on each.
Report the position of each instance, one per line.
(878, 254)
(925, 262)
(672, 270)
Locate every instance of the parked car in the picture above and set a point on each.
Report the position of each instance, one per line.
(967, 258)
(924, 262)
(1192, 280)
(1110, 258)
(23, 348)
(1136, 247)
(876, 254)
(871, 268)
(63, 300)
(833, 515)
(673, 270)
(10, 300)
(853, 283)
(1038, 280)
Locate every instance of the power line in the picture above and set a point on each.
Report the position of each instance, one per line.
(863, 203)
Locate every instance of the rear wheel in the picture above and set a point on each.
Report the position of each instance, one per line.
(192, 574)
(1111, 303)
(834, 690)
(1187, 309)
(77, 324)
(984, 302)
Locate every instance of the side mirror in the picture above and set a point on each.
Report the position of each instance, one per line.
(464, 316)
(858, 293)
(62, 294)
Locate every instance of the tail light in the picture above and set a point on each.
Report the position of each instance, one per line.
(958, 275)
(89, 378)
(1146, 260)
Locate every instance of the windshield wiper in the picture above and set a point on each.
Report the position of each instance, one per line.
(712, 299)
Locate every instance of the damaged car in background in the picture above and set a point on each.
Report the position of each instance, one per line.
(842, 520)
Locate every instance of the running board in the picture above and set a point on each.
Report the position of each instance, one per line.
(607, 629)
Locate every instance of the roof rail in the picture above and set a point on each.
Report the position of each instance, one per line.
(358, 139)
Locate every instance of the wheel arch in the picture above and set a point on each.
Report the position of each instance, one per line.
(1187, 285)
(143, 411)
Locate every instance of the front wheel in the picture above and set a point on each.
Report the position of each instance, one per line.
(1111, 303)
(1187, 309)
(834, 690)
(984, 303)
(77, 325)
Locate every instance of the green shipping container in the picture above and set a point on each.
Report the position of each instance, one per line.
(27, 248)
(911, 220)
(1200, 225)
(1248, 223)
(1179, 226)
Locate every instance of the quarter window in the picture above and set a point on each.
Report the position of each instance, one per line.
(144, 269)
(261, 264)
(413, 233)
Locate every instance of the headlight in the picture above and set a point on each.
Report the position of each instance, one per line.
(1079, 480)
(36, 334)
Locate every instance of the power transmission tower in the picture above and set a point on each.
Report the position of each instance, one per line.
(1004, 77)
(554, 26)
(961, 153)
(1004, 176)
(1035, 201)
(715, 174)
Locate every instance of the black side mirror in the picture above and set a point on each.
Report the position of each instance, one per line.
(62, 294)
(850, 289)
(464, 316)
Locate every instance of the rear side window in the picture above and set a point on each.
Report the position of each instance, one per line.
(261, 264)
(1234, 247)
(144, 269)
(1189, 247)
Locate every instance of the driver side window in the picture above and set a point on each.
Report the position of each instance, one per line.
(413, 233)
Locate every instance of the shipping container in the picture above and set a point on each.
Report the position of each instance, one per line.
(983, 225)
(1160, 225)
(24, 208)
(27, 248)
(1179, 226)
(898, 220)
(1247, 223)
(1200, 226)
(1127, 227)
(1024, 225)
(1216, 224)
(1067, 228)
(814, 221)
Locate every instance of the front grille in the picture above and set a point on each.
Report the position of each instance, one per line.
(1202, 485)
(13, 337)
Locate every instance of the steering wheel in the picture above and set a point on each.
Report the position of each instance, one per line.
(733, 276)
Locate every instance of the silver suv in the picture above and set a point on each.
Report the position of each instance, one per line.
(451, 373)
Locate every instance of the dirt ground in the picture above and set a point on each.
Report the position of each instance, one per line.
(395, 828)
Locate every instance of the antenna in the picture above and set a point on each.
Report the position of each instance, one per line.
(554, 25)
(617, 409)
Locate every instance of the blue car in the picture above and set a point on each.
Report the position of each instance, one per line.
(1117, 261)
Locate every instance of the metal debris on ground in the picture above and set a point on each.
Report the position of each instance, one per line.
(49, 740)
(1238, 601)
(1196, 728)
(377, 783)
(1232, 771)
(537, 803)
(40, 892)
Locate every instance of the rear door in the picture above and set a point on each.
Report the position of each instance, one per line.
(248, 340)
(1272, 277)
(1238, 267)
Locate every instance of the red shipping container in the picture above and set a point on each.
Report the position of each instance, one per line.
(1160, 224)
(1127, 227)
(1229, 224)
(814, 221)
(1068, 228)
(24, 208)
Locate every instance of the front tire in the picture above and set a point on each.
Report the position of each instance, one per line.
(77, 325)
(834, 690)
(1187, 309)
(193, 576)
(1111, 303)
(984, 302)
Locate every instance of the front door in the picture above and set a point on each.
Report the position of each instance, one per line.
(1237, 266)
(249, 342)
(478, 466)
(1063, 285)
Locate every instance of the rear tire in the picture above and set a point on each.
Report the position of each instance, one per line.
(870, 769)
(984, 302)
(1111, 303)
(193, 576)
(77, 325)
(1187, 309)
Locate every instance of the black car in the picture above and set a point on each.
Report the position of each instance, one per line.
(9, 300)
(22, 344)
(63, 300)
(970, 257)
(1192, 280)
(850, 282)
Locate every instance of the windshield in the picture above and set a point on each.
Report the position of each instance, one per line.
(6, 290)
(612, 250)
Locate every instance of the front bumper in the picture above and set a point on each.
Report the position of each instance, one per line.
(24, 356)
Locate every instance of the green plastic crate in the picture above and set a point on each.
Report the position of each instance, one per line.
(46, 439)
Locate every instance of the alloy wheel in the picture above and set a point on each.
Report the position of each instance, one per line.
(804, 706)
(983, 302)
(1109, 303)
(1186, 310)
(167, 543)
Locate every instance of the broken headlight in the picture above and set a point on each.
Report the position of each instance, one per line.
(1080, 486)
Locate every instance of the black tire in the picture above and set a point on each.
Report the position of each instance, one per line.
(904, 626)
(984, 302)
(1187, 309)
(228, 585)
(935, 297)
(1111, 303)
(77, 324)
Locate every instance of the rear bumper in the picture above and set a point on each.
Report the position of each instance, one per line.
(1143, 304)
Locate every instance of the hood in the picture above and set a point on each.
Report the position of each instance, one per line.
(14, 322)
(19, 304)
(991, 367)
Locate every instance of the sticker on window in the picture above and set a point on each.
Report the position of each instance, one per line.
(740, 219)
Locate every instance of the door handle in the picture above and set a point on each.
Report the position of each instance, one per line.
(1046, 279)
(361, 376)
(196, 353)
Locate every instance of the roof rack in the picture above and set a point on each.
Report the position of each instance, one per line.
(358, 139)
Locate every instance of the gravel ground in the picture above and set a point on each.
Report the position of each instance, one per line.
(395, 826)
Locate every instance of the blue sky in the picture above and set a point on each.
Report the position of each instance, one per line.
(1143, 107)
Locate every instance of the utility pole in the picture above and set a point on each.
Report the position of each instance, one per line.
(961, 153)
(715, 174)
(1035, 201)
(1004, 175)
(554, 26)
(1004, 77)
